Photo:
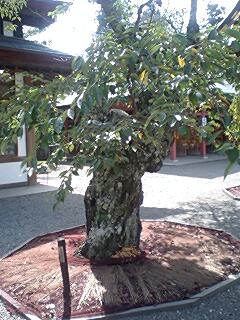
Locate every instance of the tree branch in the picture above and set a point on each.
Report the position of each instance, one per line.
(171, 24)
(140, 9)
(110, 12)
(151, 18)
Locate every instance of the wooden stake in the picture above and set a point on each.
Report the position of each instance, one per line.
(65, 276)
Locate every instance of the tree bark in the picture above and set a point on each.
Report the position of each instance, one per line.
(112, 212)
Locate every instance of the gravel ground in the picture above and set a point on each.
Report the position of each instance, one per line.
(189, 193)
(222, 306)
(5, 315)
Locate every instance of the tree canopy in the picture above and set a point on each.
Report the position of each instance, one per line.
(142, 64)
(11, 8)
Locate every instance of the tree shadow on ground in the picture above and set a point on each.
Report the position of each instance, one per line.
(26, 217)
(224, 215)
(149, 282)
(180, 262)
(210, 170)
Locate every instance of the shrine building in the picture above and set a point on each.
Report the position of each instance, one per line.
(16, 56)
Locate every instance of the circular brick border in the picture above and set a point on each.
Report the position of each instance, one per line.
(28, 314)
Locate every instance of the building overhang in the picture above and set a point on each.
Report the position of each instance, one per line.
(16, 53)
(36, 13)
(232, 18)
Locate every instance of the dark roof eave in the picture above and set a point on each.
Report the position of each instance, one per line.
(17, 52)
(19, 44)
(36, 12)
(233, 16)
(33, 61)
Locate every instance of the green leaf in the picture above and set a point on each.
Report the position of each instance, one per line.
(213, 35)
(196, 98)
(227, 120)
(225, 147)
(235, 45)
(77, 63)
(183, 130)
(132, 59)
(232, 154)
(187, 69)
(58, 125)
(98, 94)
(97, 164)
(63, 173)
(233, 33)
(34, 163)
(205, 66)
(158, 116)
(227, 170)
(181, 38)
(108, 162)
(125, 133)
(193, 98)
(211, 139)
(162, 116)
(155, 48)
(75, 172)
(79, 161)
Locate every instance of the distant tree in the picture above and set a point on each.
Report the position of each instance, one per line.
(193, 27)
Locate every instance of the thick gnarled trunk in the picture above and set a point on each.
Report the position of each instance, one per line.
(112, 202)
(112, 205)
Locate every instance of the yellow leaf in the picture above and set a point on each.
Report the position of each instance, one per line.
(71, 147)
(142, 75)
(194, 50)
(181, 62)
(145, 81)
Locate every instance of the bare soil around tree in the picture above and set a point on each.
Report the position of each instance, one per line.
(179, 261)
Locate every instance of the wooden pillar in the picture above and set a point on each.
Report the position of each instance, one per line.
(30, 148)
(203, 146)
(29, 135)
(173, 150)
(203, 149)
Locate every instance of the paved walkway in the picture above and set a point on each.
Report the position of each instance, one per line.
(188, 193)
(183, 160)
